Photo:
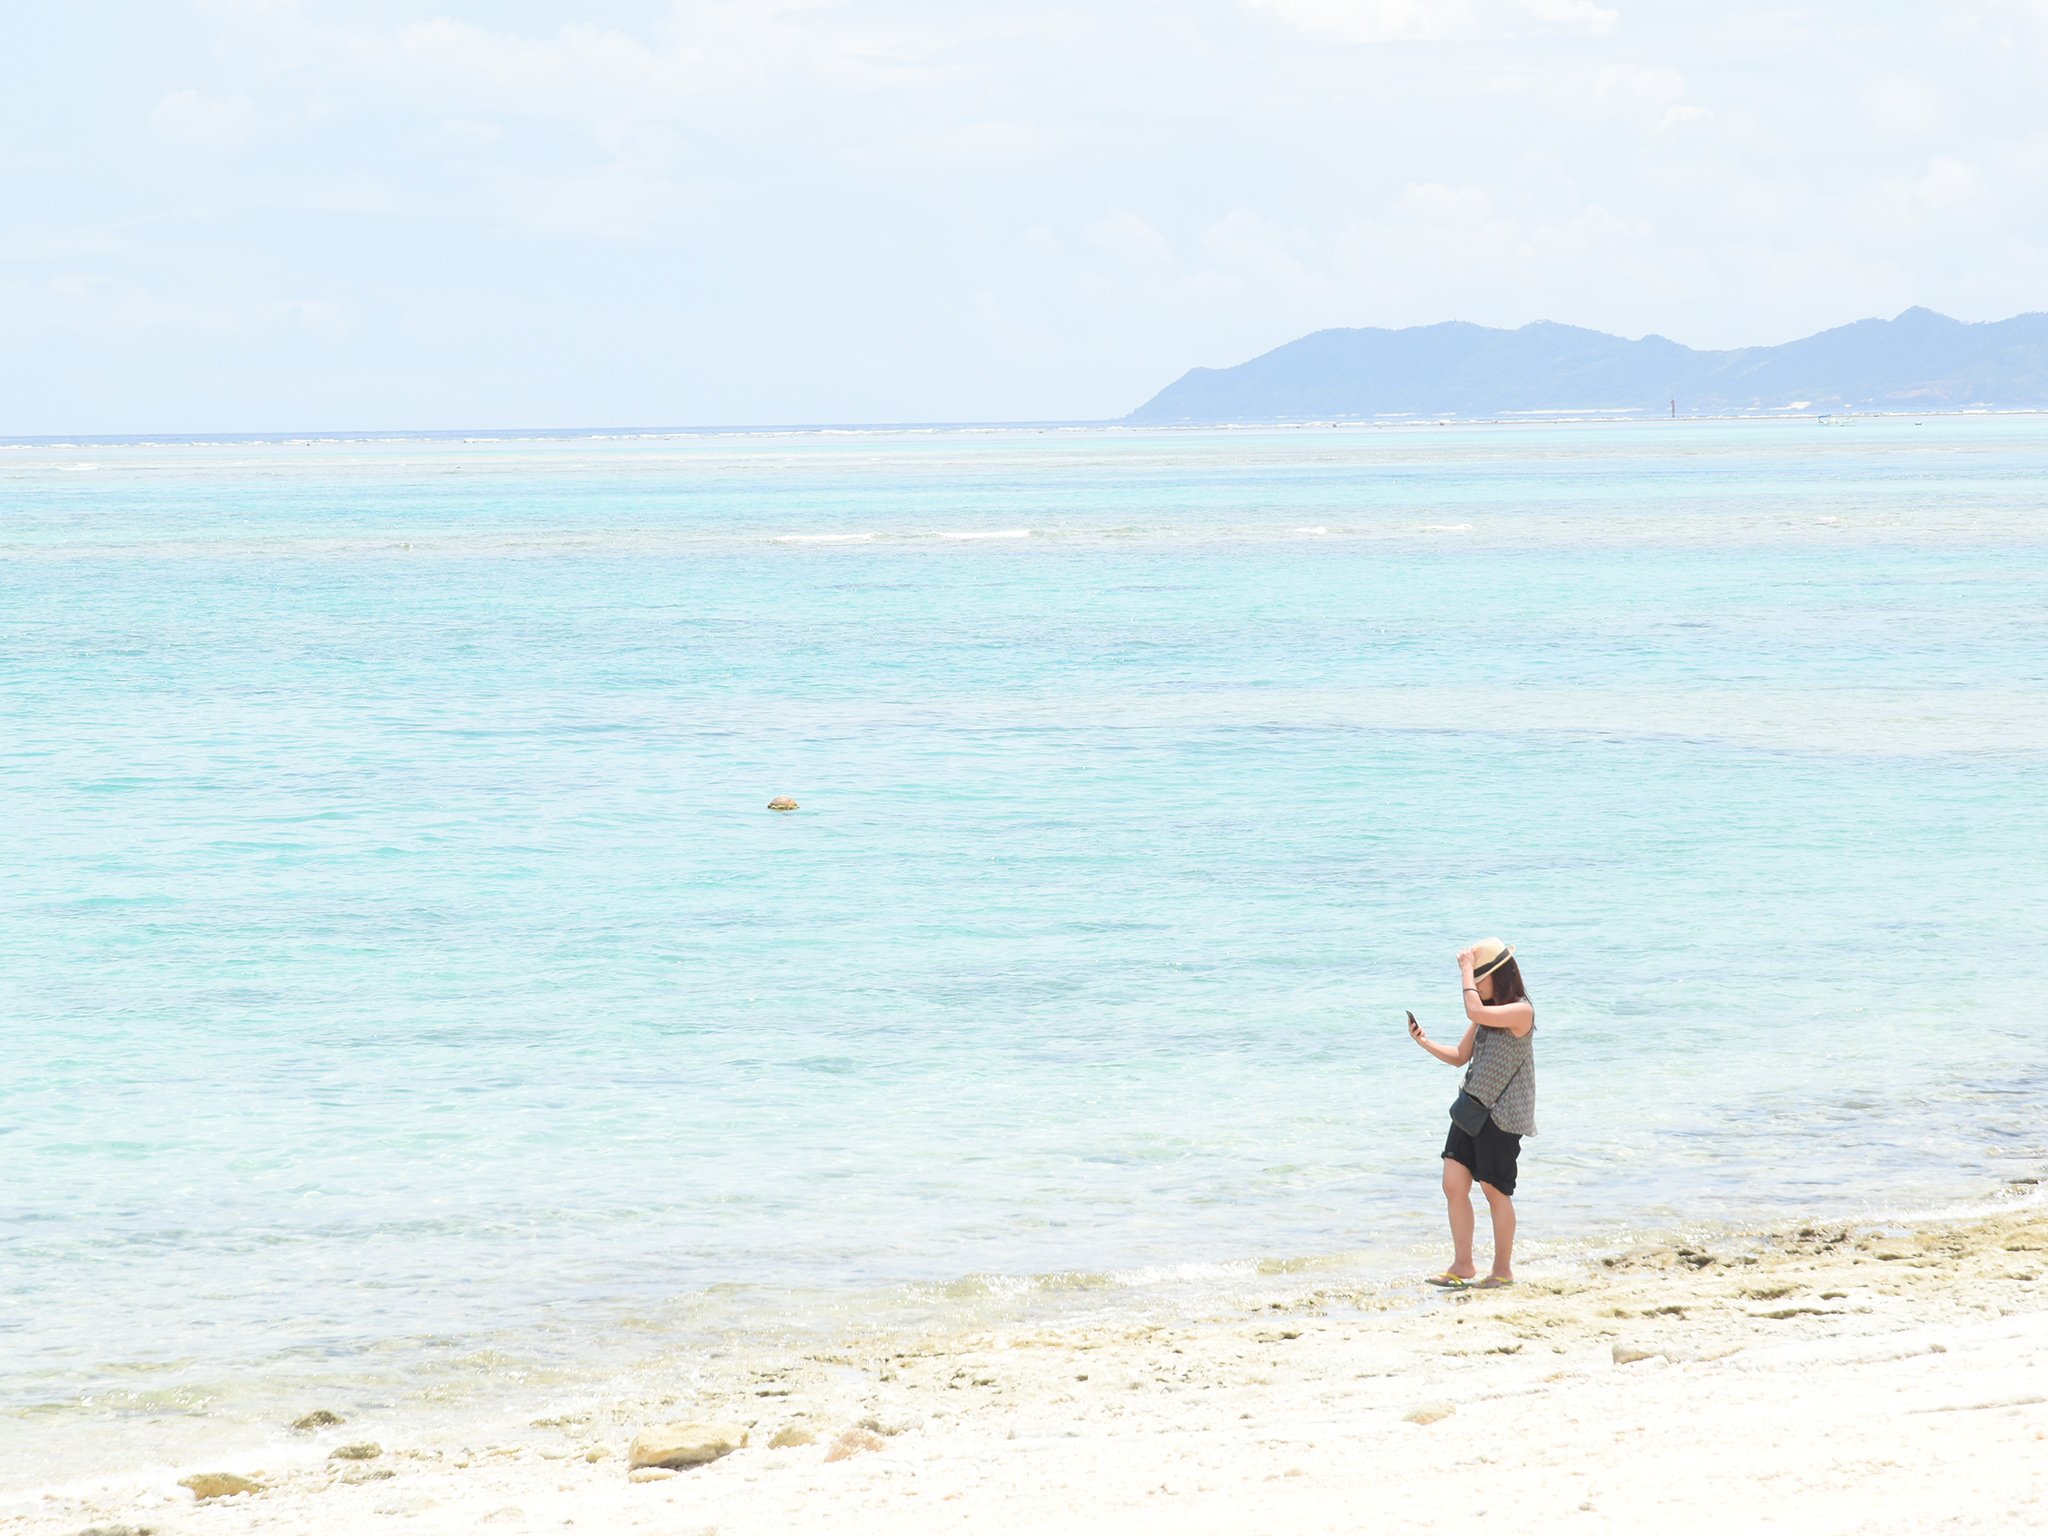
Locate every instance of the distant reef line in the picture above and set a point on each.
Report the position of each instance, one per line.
(1919, 361)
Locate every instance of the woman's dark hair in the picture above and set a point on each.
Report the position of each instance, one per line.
(1507, 983)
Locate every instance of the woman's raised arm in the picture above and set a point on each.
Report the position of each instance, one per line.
(1516, 1018)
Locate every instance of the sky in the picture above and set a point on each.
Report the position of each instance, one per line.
(280, 215)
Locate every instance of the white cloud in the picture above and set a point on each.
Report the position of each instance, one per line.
(319, 318)
(1456, 217)
(1947, 184)
(1574, 13)
(1390, 21)
(1251, 243)
(354, 192)
(43, 244)
(1904, 107)
(100, 307)
(187, 117)
(1132, 240)
(706, 52)
(984, 144)
(468, 133)
(252, 7)
(992, 141)
(1253, 247)
(1636, 89)
(1376, 21)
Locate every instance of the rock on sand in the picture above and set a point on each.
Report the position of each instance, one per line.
(1429, 1413)
(218, 1485)
(684, 1445)
(852, 1443)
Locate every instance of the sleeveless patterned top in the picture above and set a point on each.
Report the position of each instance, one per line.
(1503, 1074)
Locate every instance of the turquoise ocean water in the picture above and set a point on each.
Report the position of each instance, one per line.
(410, 1002)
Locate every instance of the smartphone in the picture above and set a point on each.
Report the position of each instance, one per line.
(1412, 1025)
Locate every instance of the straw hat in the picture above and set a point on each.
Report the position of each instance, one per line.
(1489, 955)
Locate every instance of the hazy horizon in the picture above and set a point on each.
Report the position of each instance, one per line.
(1133, 418)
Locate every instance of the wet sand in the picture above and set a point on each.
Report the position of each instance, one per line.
(1809, 1379)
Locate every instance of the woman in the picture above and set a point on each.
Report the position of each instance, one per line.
(1502, 1079)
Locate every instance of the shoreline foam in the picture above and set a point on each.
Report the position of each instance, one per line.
(1814, 1376)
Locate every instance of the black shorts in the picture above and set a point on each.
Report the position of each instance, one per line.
(1491, 1155)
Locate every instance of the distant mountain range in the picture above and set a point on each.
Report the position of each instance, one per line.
(1921, 361)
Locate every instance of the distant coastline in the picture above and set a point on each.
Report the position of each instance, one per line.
(1918, 362)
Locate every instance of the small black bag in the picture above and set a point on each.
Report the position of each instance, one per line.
(1468, 1114)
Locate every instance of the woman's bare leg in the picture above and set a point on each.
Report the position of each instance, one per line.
(1458, 1196)
(1503, 1210)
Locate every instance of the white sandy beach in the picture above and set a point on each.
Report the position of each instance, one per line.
(1809, 1380)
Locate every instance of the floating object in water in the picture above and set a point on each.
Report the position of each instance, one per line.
(782, 803)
